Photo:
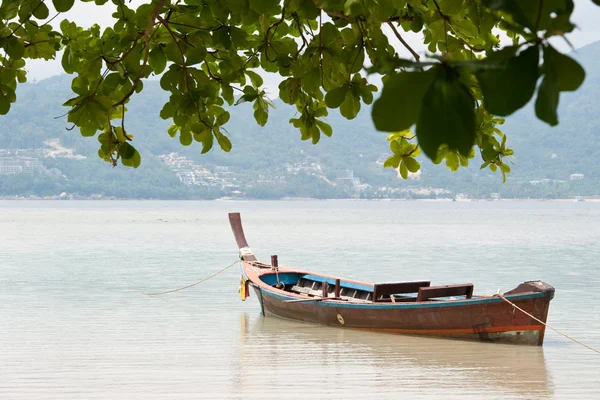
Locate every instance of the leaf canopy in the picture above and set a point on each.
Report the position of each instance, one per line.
(210, 56)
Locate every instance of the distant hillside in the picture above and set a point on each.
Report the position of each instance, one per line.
(542, 153)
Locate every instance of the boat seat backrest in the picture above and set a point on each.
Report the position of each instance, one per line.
(387, 289)
(426, 293)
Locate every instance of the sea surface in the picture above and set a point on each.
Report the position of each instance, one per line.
(74, 324)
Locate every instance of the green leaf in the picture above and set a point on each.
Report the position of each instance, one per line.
(324, 127)
(207, 143)
(403, 171)
(450, 7)
(185, 137)
(392, 161)
(447, 115)
(195, 55)
(411, 164)
(256, 79)
(15, 47)
(172, 130)
(134, 160)
(224, 142)
(227, 93)
(452, 161)
(63, 5)
(264, 6)
(335, 97)
(41, 11)
(396, 147)
(547, 101)
(562, 73)
(126, 150)
(350, 106)
(311, 80)
(261, 112)
(569, 75)
(41, 47)
(69, 62)
(512, 85)
(4, 104)
(399, 105)
(523, 11)
(238, 37)
(157, 60)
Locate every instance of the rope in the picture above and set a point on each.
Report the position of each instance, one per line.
(545, 324)
(193, 284)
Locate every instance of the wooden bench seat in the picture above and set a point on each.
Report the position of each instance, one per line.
(426, 293)
(389, 289)
(313, 288)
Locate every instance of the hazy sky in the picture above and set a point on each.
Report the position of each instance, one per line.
(586, 16)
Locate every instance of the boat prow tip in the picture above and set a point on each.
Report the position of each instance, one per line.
(235, 220)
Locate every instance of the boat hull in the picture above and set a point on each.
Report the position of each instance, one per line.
(489, 319)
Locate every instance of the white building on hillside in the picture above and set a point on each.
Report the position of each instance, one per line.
(576, 177)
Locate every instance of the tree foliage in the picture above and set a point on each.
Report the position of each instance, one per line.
(210, 55)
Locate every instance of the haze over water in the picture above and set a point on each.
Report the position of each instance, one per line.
(74, 326)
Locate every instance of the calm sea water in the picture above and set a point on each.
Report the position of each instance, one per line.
(74, 326)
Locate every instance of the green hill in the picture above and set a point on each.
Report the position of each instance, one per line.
(272, 162)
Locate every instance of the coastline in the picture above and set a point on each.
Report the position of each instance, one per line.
(591, 199)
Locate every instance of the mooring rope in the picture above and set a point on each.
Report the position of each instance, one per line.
(193, 284)
(545, 324)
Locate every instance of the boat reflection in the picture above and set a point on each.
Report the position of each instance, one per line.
(334, 361)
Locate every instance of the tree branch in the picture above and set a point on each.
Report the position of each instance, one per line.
(300, 31)
(275, 25)
(406, 45)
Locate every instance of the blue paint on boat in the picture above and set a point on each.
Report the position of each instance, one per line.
(287, 278)
(291, 278)
(343, 284)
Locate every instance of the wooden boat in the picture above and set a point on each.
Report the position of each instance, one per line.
(414, 308)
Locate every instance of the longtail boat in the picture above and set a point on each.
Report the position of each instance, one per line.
(415, 308)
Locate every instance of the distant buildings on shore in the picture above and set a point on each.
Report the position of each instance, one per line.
(29, 161)
(19, 165)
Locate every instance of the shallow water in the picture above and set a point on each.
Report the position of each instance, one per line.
(74, 326)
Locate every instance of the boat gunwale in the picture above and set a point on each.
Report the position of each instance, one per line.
(330, 302)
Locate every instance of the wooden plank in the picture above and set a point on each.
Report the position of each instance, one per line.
(305, 290)
(426, 293)
(317, 293)
(387, 289)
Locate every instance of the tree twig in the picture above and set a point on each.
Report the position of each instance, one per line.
(406, 45)
(51, 19)
(321, 47)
